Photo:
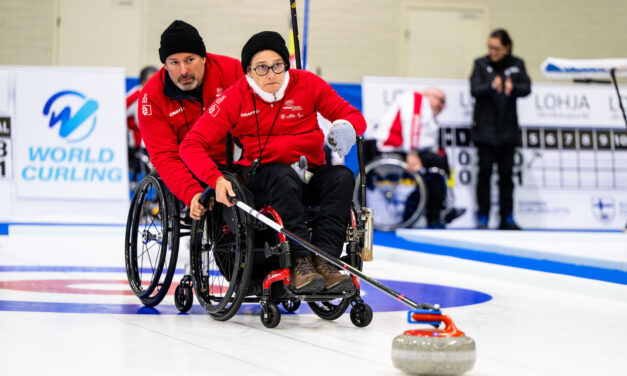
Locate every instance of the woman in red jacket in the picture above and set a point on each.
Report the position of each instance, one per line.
(273, 112)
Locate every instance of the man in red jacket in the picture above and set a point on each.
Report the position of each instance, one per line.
(273, 112)
(174, 98)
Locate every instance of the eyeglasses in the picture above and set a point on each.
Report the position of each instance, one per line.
(263, 69)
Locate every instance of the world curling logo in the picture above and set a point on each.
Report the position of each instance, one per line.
(73, 115)
(76, 127)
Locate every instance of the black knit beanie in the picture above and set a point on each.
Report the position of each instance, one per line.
(181, 37)
(266, 40)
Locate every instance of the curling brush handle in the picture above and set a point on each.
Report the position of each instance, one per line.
(333, 260)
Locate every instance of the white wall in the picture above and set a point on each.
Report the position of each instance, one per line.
(347, 39)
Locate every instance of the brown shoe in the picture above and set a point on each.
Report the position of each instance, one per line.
(304, 278)
(335, 281)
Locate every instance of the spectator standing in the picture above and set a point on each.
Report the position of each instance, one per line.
(497, 81)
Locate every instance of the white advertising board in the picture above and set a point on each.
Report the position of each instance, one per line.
(68, 139)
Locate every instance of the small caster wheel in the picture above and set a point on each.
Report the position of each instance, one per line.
(291, 305)
(183, 297)
(269, 315)
(361, 315)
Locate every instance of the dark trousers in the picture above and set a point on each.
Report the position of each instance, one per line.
(330, 188)
(436, 186)
(503, 156)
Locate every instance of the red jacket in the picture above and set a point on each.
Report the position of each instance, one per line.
(135, 137)
(295, 133)
(166, 114)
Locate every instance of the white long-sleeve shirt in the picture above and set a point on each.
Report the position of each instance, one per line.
(407, 124)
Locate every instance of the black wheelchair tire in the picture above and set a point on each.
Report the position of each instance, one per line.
(168, 243)
(270, 315)
(183, 298)
(361, 315)
(207, 235)
(329, 310)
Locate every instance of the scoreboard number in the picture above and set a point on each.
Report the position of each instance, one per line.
(5, 148)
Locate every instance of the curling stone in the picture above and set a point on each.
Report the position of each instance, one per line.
(433, 351)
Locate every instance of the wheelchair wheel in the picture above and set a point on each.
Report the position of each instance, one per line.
(183, 298)
(270, 315)
(361, 315)
(330, 310)
(221, 261)
(396, 196)
(152, 240)
(291, 305)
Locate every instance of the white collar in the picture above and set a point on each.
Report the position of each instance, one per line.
(271, 98)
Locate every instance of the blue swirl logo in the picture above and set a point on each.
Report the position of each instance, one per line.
(74, 127)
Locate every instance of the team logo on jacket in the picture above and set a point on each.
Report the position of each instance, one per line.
(247, 114)
(289, 105)
(214, 109)
(75, 113)
(146, 110)
(176, 112)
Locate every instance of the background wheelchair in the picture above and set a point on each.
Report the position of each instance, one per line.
(396, 196)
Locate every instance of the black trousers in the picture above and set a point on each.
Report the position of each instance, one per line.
(330, 188)
(436, 188)
(503, 156)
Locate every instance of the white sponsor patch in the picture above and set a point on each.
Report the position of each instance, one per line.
(246, 114)
(146, 110)
(176, 112)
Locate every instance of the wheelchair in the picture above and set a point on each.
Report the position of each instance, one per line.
(234, 258)
(139, 165)
(154, 228)
(397, 196)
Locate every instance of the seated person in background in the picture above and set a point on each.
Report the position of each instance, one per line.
(132, 99)
(273, 112)
(409, 127)
(135, 144)
(174, 98)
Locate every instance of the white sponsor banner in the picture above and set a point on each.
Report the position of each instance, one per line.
(567, 105)
(4, 92)
(70, 134)
(571, 169)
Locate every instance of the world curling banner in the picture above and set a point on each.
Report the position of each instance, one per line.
(570, 169)
(69, 138)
